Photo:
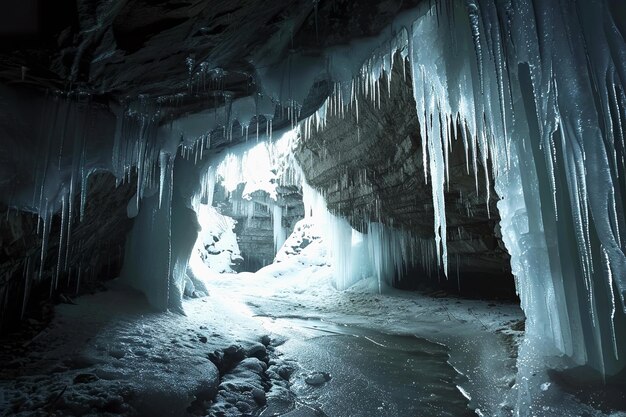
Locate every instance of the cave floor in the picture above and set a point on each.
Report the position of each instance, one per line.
(479, 338)
(271, 343)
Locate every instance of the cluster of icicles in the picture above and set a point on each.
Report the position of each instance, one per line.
(60, 172)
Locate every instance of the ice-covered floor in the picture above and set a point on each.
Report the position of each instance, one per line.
(477, 334)
(279, 342)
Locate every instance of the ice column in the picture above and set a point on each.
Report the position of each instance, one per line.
(279, 230)
(537, 89)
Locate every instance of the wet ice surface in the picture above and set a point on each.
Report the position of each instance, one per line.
(480, 337)
(350, 371)
(279, 342)
(476, 334)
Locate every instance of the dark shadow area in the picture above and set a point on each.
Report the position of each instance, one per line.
(590, 387)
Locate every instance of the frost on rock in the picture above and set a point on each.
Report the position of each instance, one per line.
(305, 233)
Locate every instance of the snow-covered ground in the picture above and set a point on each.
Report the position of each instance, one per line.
(479, 334)
(111, 355)
(281, 341)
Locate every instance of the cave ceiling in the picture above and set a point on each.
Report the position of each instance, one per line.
(184, 53)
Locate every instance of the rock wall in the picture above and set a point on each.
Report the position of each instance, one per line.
(95, 254)
(372, 170)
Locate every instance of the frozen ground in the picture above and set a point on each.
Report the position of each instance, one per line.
(282, 341)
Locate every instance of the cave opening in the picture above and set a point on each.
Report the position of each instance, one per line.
(376, 208)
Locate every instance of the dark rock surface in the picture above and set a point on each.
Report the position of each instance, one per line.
(95, 254)
(121, 49)
(373, 171)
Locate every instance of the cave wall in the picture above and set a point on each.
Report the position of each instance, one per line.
(371, 168)
(160, 55)
(96, 252)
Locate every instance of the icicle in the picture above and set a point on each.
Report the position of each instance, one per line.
(61, 236)
(612, 301)
(163, 162)
(84, 179)
(80, 271)
(27, 283)
(279, 230)
(47, 219)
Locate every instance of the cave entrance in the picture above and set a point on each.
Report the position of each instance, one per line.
(255, 209)
(249, 202)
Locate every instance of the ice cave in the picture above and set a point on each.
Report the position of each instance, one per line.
(305, 208)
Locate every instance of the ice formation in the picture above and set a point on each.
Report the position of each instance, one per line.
(277, 225)
(537, 91)
(46, 169)
(383, 252)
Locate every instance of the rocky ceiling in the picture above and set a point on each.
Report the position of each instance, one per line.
(118, 50)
